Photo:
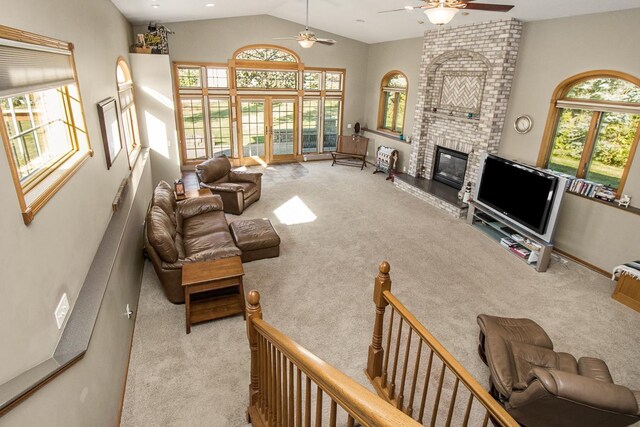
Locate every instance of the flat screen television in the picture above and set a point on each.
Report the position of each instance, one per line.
(527, 196)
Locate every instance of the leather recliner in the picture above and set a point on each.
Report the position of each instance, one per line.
(176, 233)
(238, 189)
(541, 387)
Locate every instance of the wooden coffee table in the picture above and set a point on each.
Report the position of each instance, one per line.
(207, 276)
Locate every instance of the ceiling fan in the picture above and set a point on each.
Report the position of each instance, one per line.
(441, 12)
(306, 38)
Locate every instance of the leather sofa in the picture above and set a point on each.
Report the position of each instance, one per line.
(190, 230)
(238, 189)
(541, 387)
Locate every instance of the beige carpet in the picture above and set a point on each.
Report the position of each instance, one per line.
(319, 292)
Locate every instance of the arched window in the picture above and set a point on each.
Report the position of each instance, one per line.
(265, 53)
(393, 100)
(593, 127)
(128, 110)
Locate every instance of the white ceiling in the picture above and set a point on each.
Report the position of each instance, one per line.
(339, 16)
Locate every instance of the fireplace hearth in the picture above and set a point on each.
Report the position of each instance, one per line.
(450, 167)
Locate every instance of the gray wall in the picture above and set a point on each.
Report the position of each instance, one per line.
(403, 55)
(215, 40)
(156, 114)
(551, 51)
(53, 254)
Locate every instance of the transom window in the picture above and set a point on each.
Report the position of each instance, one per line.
(595, 128)
(271, 54)
(266, 79)
(393, 99)
(190, 77)
(217, 78)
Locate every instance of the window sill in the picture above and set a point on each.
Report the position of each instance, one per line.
(40, 194)
(630, 209)
(386, 134)
(133, 157)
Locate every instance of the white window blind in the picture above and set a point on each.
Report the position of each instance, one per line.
(26, 68)
(599, 106)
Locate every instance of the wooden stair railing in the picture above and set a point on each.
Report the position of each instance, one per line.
(408, 377)
(290, 386)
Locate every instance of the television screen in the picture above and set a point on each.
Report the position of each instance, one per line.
(518, 192)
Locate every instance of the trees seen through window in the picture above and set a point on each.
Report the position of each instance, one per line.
(597, 128)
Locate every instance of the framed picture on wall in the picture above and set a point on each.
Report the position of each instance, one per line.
(110, 126)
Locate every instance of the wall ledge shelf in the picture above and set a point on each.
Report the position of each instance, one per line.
(631, 209)
(386, 135)
(474, 121)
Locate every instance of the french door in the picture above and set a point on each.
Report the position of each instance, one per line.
(267, 129)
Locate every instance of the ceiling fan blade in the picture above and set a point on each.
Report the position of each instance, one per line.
(328, 42)
(405, 9)
(489, 7)
(392, 10)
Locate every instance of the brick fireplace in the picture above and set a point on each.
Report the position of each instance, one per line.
(465, 82)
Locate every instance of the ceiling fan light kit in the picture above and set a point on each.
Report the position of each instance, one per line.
(441, 12)
(306, 44)
(306, 39)
(441, 15)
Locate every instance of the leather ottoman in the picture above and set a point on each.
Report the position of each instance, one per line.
(256, 238)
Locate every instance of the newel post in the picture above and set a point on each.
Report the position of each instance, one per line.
(376, 353)
(254, 311)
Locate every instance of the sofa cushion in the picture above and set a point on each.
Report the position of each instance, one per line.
(165, 199)
(214, 245)
(201, 225)
(213, 169)
(161, 234)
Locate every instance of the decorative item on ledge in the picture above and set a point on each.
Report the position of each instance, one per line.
(386, 161)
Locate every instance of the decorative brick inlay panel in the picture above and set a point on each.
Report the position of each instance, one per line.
(486, 50)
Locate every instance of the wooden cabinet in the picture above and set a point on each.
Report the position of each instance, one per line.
(628, 291)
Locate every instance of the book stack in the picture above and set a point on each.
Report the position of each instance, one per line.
(584, 187)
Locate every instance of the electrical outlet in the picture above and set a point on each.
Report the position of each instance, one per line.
(62, 310)
(348, 125)
(404, 169)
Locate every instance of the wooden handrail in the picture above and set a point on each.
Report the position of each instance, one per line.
(364, 406)
(496, 410)
(378, 362)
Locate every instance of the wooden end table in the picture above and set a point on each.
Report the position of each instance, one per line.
(206, 276)
(190, 194)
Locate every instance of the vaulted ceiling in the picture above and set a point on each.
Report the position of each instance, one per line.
(356, 19)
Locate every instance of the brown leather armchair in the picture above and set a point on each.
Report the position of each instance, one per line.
(237, 189)
(541, 387)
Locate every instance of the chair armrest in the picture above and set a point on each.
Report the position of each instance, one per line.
(227, 187)
(199, 205)
(587, 391)
(239, 176)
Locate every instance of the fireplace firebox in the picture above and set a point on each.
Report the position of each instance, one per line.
(450, 167)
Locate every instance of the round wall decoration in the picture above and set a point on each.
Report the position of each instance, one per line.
(523, 124)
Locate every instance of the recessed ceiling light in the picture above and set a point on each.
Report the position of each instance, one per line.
(209, 4)
(155, 6)
(409, 8)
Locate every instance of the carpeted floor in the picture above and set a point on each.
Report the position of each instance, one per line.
(319, 292)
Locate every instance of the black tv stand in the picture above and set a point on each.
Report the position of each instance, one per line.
(497, 228)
